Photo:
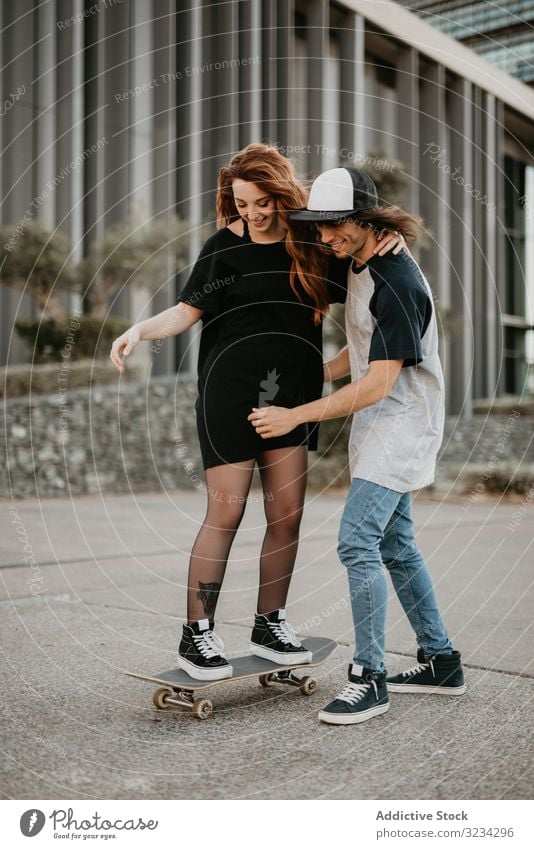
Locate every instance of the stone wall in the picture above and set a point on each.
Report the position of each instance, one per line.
(142, 437)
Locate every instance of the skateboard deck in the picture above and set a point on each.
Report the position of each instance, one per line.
(177, 688)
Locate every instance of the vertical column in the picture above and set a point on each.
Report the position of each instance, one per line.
(95, 127)
(269, 70)
(352, 95)
(194, 158)
(317, 29)
(460, 120)
(434, 193)
(69, 127)
(218, 70)
(5, 319)
(44, 163)
(408, 123)
(164, 150)
(188, 94)
(1, 122)
(19, 187)
(491, 252)
(140, 131)
(119, 75)
(285, 49)
(500, 244)
(69, 132)
(476, 191)
(140, 125)
(190, 154)
(250, 83)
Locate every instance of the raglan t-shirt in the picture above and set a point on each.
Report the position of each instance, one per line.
(389, 315)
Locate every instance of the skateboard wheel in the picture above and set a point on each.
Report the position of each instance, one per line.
(202, 709)
(267, 680)
(160, 698)
(308, 686)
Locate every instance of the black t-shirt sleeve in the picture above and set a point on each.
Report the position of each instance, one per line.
(209, 279)
(336, 281)
(402, 314)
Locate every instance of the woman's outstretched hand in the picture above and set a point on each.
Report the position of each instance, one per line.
(273, 421)
(391, 241)
(124, 345)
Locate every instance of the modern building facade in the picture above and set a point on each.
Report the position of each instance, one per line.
(171, 90)
(500, 32)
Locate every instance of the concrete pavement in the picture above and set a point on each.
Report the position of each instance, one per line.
(102, 590)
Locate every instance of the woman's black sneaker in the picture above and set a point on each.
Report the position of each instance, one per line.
(364, 696)
(274, 639)
(440, 673)
(201, 653)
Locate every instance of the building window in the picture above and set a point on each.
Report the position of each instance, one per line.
(514, 216)
(516, 295)
(515, 363)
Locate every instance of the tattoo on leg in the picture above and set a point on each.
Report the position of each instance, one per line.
(208, 595)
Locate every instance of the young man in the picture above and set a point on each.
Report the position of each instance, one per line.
(397, 398)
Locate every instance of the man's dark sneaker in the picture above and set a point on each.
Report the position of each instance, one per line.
(438, 673)
(274, 639)
(364, 696)
(201, 653)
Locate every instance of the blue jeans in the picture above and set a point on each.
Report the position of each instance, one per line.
(376, 531)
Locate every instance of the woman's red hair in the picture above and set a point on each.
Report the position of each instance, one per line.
(265, 166)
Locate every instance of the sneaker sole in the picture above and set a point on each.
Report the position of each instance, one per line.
(351, 718)
(426, 688)
(205, 674)
(280, 657)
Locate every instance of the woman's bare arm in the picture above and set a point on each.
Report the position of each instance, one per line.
(170, 322)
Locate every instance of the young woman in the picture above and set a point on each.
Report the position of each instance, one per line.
(260, 343)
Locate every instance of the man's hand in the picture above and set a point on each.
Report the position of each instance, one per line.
(273, 421)
(373, 387)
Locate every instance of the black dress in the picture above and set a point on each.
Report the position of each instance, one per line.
(258, 345)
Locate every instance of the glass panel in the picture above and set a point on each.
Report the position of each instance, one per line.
(501, 32)
(514, 302)
(528, 206)
(516, 206)
(515, 366)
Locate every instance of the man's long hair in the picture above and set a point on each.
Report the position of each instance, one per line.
(266, 167)
(391, 218)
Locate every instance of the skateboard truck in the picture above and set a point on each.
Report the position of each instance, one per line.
(307, 685)
(166, 697)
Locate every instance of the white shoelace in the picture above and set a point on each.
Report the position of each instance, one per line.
(208, 644)
(284, 632)
(420, 667)
(355, 692)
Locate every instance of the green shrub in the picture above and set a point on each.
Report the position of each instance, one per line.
(52, 342)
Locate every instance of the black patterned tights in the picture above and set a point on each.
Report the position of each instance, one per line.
(283, 475)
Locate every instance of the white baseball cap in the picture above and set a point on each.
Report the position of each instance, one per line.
(338, 193)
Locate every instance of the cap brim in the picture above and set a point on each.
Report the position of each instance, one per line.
(323, 215)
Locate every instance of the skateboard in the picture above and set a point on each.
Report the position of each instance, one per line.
(179, 689)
